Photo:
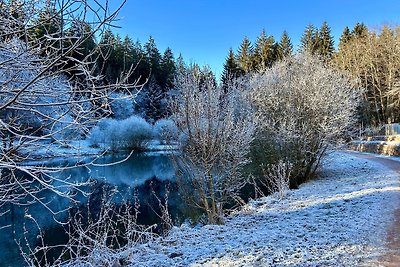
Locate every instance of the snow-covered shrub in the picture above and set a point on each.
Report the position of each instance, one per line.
(277, 177)
(166, 131)
(135, 132)
(121, 105)
(218, 139)
(97, 136)
(302, 106)
(131, 133)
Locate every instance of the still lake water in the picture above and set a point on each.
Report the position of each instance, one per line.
(138, 177)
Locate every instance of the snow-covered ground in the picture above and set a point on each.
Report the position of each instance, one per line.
(339, 219)
(75, 148)
(82, 148)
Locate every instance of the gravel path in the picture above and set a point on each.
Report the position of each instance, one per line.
(392, 257)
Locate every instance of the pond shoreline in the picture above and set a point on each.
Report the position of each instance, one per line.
(82, 149)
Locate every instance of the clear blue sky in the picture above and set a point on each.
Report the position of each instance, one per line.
(204, 30)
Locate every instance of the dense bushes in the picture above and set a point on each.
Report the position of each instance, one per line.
(166, 131)
(132, 133)
(121, 105)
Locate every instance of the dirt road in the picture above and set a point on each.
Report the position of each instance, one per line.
(392, 257)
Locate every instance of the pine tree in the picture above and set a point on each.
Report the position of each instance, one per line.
(129, 51)
(285, 48)
(312, 40)
(111, 57)
(49, 22)
(316, 42)
(155, 92)
(231, 69)
(154, 106)
(138, 48)
(129, 58)
(79, 35)
(345, 37)
(152, 53)
(85, 33)
(359, 30)
(308, 39)
(168, 69)
(245, 55)
(118, 59)
(180, 64)
(326, 43)
(142, 72)
(153, 58)
(132, 59)
(13, 13)
(264, 52)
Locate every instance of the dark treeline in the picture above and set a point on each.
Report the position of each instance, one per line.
(120, 55)
(145, 64)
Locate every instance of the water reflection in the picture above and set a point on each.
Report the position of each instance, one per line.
(133, 171)
(138, 176)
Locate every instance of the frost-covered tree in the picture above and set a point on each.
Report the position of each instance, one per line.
(154, 102)
(302, 106)
(217, 129)
(39, 107)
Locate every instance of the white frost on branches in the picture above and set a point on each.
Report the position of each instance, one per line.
(302, 106)
(218, 126)
(38, 104)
